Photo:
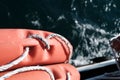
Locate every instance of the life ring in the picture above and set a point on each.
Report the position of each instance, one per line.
(33, 53)
(45, 47)
(59, 71)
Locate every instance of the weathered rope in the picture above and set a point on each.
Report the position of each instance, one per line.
(15, 62)
(41, 39)
(68, 76)
(24, 69)
(64, 40)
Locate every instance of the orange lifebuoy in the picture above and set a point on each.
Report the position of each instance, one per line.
(13, 42)
(59, 71)
(23, 49)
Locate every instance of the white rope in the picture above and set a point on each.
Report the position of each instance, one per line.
(64, 40)
(15, 62)
(41, 39)
(68, 76)
(30, 68)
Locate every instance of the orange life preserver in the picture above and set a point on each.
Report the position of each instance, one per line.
(14, 41)
(23, 49)
(59, 71)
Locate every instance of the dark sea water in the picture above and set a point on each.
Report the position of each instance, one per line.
(87, 24)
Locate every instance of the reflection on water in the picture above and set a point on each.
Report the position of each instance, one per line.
(87, 24)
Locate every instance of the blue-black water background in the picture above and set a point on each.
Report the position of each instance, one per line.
(87, 24)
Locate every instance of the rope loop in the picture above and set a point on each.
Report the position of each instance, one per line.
(37, 36)
(64, 40)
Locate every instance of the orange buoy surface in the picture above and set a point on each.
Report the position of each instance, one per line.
(44, 47)
(35, 55)
(59, 71)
